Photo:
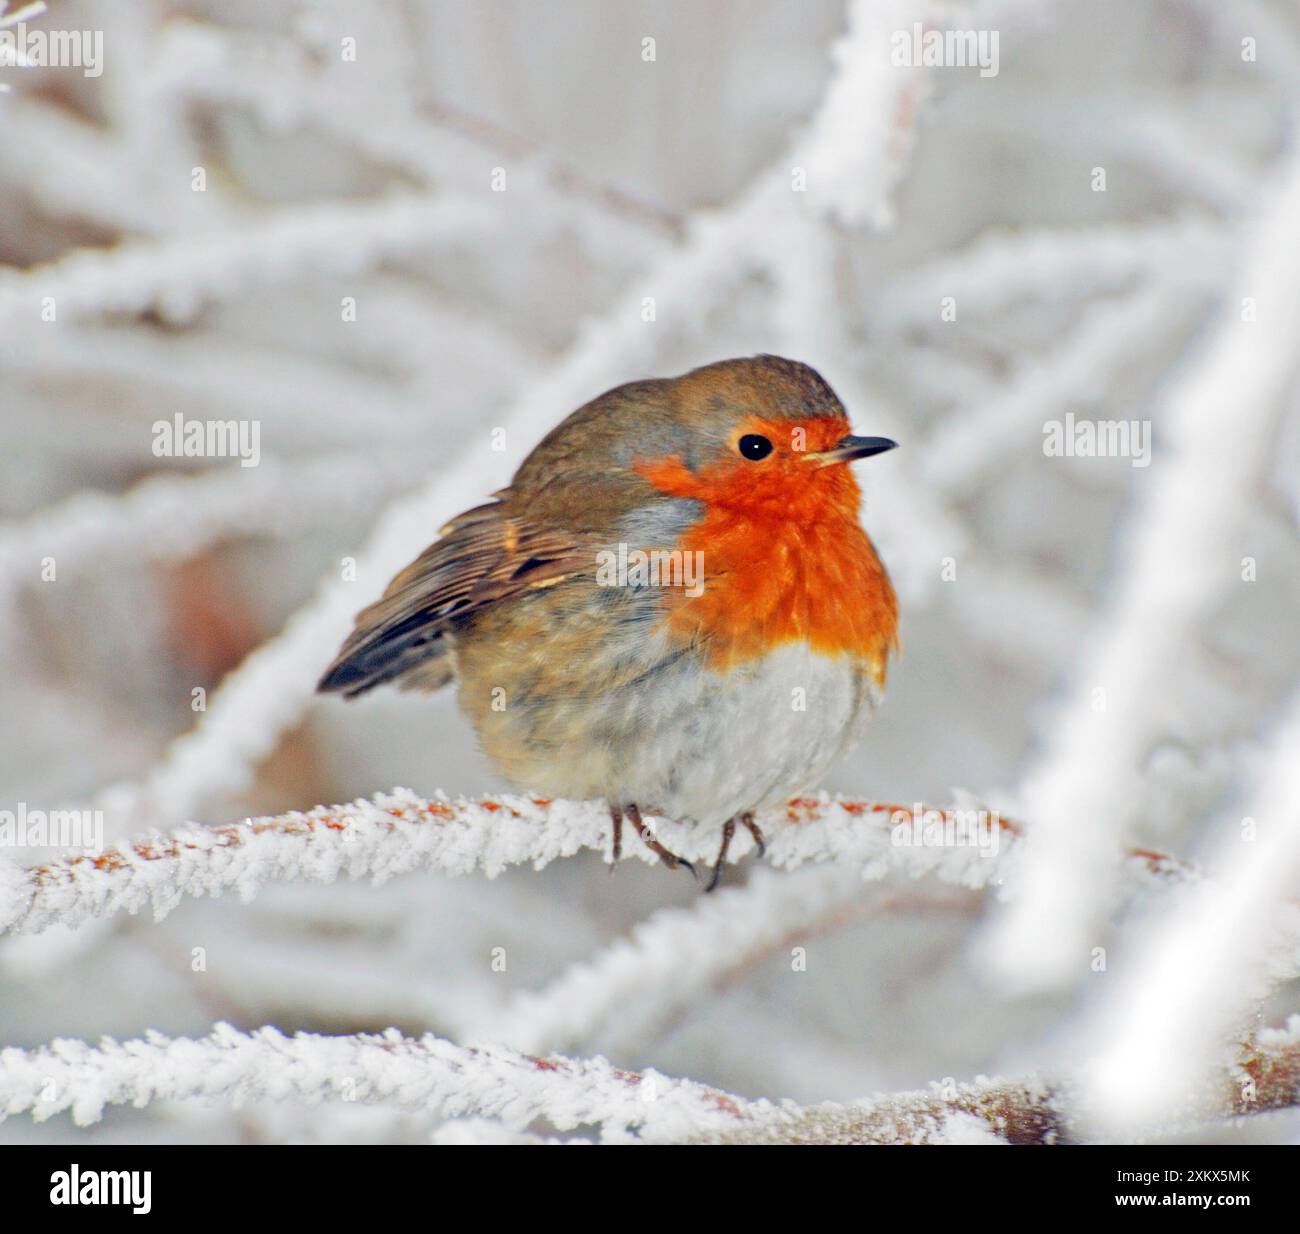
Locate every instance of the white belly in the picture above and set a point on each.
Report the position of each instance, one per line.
(754, 737)
(693, 744)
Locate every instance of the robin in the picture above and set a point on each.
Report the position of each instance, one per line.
(673, 605)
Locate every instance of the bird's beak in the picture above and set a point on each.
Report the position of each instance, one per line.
(849, 448)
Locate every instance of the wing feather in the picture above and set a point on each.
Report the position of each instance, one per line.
(484, 555)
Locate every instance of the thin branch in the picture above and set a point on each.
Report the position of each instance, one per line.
(641, 979)
(565, 178)
(77, 169)
(1181, 557)
(400, 832)
(631, 990)
(286, 87)
(311, 402)
(171, 516)
(177, 276)
(1044, 265)
(975, 441)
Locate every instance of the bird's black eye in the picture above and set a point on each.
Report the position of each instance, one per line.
(754, 447)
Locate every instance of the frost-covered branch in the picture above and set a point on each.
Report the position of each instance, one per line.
(975, 441)
(448, 1081)
(169, 517)
(429, 1074)
(178, 276)
(640, 979)
(25, 13)
(77, 169)
(637, 987)
(1203, 964)
(400, 832)
(1266, 1076)
(1047, 265)
(287, 86)
(306, 402)
(1182, 556)
(856, 146)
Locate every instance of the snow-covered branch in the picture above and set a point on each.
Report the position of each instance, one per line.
(1045, 265)
(1181, 558)
(1206, 961)
(177, 277)
(400, 832)
(1266, 1076)
(640, 980)
(429, 1074)
(447, 1081)
(856, 146)
(975, 441)
(288, 86)
(169, 516)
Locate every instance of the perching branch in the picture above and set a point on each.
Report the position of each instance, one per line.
(400, 832)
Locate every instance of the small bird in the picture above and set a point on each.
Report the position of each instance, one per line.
(673, 606)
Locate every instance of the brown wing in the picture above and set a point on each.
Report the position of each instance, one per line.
(484, 555)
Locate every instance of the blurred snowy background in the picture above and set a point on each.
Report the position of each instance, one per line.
(384, 232)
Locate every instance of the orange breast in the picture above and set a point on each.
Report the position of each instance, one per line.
(799, 568)
(780, 583)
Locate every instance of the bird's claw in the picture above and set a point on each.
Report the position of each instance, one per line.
(728, 832)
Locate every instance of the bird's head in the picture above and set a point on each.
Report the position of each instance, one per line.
(764, 437)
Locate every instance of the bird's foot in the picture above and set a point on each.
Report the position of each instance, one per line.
(728, 832)
(633, 813)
